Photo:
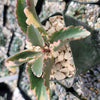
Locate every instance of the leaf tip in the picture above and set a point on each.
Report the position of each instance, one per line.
(8, 64)
(28, 2)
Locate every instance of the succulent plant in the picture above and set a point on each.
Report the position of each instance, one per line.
(88, 54)
(40, 59)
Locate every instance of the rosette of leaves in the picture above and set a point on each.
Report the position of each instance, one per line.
(40, 62)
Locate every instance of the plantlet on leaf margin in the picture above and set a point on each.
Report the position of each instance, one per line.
(39, 63)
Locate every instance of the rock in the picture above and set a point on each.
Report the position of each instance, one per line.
(64, 70)
(58, 66)
(52, 19)
(62, 21)
(59, 16)
(48, 25)
(67, 55)
(98, 97)
(70, 61)
(70, 68)
(3, 2)
(51, 30)
(59, 26)
(52, 85)
(55, 54)
(59, 75)
(54, 24)
(65, 64)
(17, 95)
(53, 70)
(61, 57)
(6, 32)
(1, 15)
(52, 77)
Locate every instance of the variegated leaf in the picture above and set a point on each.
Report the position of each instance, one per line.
(48, 63)
(20, 58)
(34, 36)
(21, 18)
(32, 16)
(69, 33)
(37, 66)
(37, 85)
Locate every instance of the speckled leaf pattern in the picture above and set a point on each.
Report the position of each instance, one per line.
(47, 71)
(34, 36)
(21, 18)
(20, 58)
(37, 66)
(37, 85)
(70, 33)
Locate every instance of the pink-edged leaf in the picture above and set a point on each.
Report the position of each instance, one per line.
(20, 58)
(31, 8)
(69, 33)
(37, 66)
(48, 63)
(30, 18)
(34, 36)
(21, 18)
(37, 85)
(31, 15)
(57, 45)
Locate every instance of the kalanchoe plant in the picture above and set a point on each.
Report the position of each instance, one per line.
(40, 62)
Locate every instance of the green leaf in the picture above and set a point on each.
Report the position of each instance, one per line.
(59, 44)
(37, 66)
(31, 7)
(30, 18)
(85, 54)
(21, 18)
(37, 85)
(84, 51)
(34, 36)
(48, 63)
(70, 33)
(72, 21)
(20, 58)
(31, 15)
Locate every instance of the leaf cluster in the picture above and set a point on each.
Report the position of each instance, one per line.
(40, 62)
